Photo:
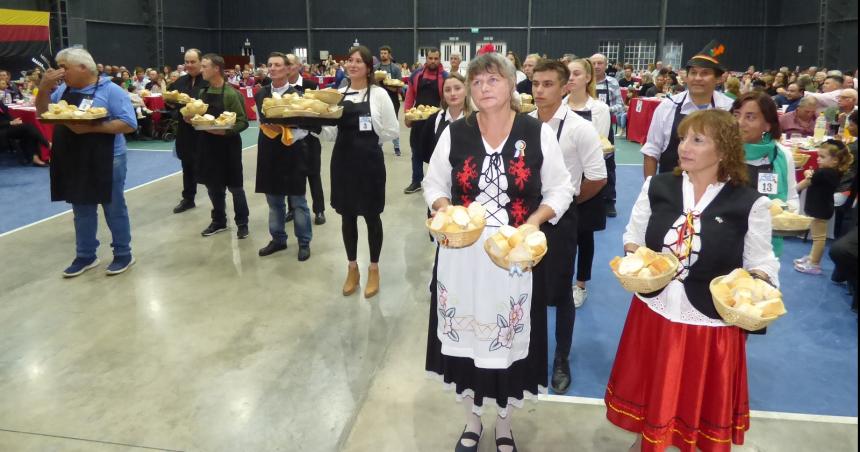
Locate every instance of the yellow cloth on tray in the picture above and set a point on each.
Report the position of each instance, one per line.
(273, 130)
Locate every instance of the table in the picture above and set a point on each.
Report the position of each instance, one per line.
(639, 118)
(156, 104)
(28, 116)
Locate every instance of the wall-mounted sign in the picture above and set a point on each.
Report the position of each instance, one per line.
(488, 38)
(476, 30)
(453, 38)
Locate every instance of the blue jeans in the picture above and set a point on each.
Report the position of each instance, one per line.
(116, 216)
(397, 143)
(278, 219)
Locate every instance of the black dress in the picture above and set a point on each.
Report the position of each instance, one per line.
(357, 163)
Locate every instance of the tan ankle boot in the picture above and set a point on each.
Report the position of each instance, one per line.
(372, 287)
(351, 282)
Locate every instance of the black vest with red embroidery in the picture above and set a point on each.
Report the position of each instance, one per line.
(522, 168)
(723, 227)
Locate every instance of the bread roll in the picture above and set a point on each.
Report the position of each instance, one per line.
(659, 266)
(614, 263)
(520, 254)
(748, 284)
(439, 221)
(775, 209)
(742, 296)
(771, 308)
(735, 275)
(476, 210)
(477, 222)
(459, 215)
(644, 273)
(722, 292)
(648, 256)
(507, 231)
(631, 265)
(536, 242)
(499, 246)
(452, 227)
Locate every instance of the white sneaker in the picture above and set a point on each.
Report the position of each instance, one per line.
(579, 295)
(801, 260)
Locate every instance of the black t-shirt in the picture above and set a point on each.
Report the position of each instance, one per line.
(624, 83)
(643, 90)
(524, 87)
(819, 196)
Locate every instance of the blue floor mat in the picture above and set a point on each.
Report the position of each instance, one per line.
(806, 363)
(25, 193)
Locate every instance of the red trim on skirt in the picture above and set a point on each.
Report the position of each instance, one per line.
(679, 385)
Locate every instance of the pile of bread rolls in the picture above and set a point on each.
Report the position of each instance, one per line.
(741, 291)
(177, 97)
(459, 219)
(524, 244)
(194, 108)
(420, 113)
(291, 104)
(644, 263)
(62, 110)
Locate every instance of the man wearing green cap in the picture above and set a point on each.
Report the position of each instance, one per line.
(703, 74)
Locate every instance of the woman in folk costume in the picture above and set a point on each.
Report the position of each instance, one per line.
(487, 335)
(680, 376)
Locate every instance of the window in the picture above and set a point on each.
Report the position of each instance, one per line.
(639, 54)
(301, 53)
(673, 53)
(501, 47)
(449, 47)
(610, 49)
(422, 54)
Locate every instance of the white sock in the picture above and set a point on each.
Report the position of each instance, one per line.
(503, 429)
(473, 421)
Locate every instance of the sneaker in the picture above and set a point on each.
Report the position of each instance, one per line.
(119, 265)
(184, 205)
(271, 248)
(579, 295)
(289, 216)
(304, 253)
(801, 260)
(808, 268)
(213, 229)
(610, 210)
(80, 265)
(242, 231)
(397, 152)
(319, 218)
(414, 187)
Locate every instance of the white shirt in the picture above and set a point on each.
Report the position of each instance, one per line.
(661, 124)
(448, 118)
(382, 116)
(600, 117)
(793, 200)
(556, 189)
(672, 303)
(580, 146)
(297, 84)
(298, 134)
(825, 100)
(521, 76)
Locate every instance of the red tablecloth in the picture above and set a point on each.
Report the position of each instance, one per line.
(248, 93)
(156, 104)
(812, 163)
(324, 81)
(639, 118)
(28, 116)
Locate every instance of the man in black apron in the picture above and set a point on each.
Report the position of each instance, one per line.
(312, 149)
(609, 92)
(583, 156)
(425, 88)
(219, 152)
(89, 160)
(703, 74)
(186, 137)
(388, 65)
(282, 167)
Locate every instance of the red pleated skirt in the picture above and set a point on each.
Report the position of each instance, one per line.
(679, 385)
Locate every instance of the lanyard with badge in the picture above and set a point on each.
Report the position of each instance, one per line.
(87, 102)
(365, 124)
(768, 181)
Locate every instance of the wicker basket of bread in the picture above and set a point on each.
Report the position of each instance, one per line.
(458, 226)
(746, 302)
(785, 221)
(517, 250)
(645, 270)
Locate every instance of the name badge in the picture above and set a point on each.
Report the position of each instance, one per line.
(364, 124)
(768, 183)
(602, 97)
(85, 104)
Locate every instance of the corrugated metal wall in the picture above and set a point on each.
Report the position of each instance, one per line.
(761, 32)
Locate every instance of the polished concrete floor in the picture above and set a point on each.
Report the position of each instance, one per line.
(204, 346)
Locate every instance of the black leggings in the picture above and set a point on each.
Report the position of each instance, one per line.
(349, 230)
(30, 138)
(585, 254)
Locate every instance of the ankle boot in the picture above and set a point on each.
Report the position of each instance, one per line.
(372, 287)
(351, 282)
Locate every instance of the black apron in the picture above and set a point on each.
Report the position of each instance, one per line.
(186, 136)
(426, 93)
(592, 213)
(605, 96)
(281, 170)
(219, 161)
(81, 165)
(357, 164)
(394, 95)
(556, 273)
(754, 171)
(669, 157)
